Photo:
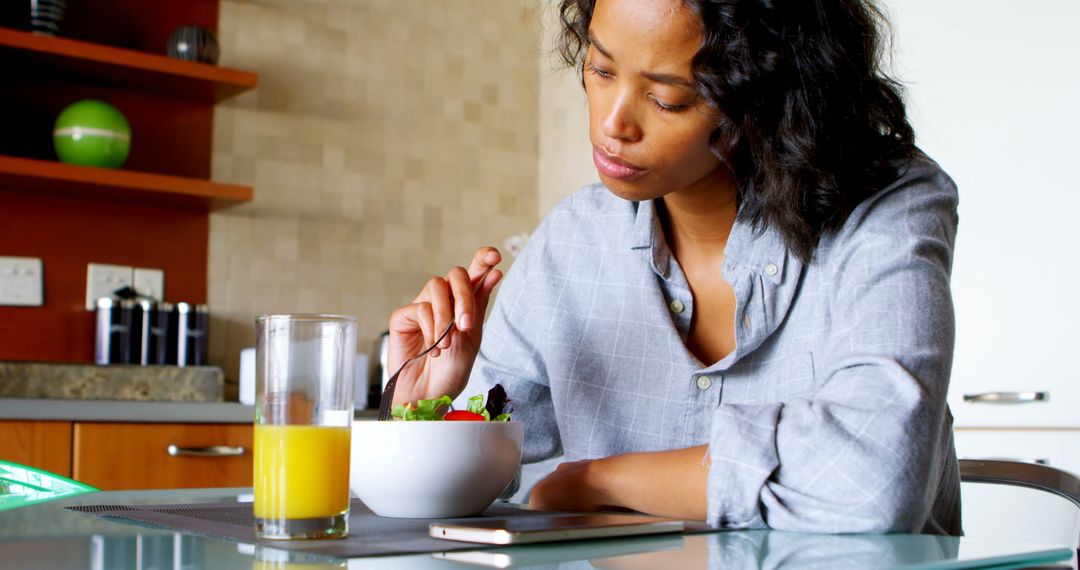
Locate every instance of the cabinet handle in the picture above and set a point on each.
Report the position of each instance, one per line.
(209, 451)
(1007, 397)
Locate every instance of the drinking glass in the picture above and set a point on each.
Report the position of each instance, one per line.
(303, 418)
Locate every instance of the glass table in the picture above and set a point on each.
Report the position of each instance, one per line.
(46, 536)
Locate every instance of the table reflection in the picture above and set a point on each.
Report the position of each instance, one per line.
(772, 550)
(149, 552)
(139, 547)
(268, 558)
(752, 549)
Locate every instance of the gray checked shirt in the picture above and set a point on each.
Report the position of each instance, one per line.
(829, 415)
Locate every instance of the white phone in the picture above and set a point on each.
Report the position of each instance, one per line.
(574, 551)
(545, 528)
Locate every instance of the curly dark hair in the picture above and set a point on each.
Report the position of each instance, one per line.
(811, 125)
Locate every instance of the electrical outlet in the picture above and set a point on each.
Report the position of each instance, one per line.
(21, 282)
(103, 280)
(150, 283)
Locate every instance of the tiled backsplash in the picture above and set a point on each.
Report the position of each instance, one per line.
(386, 141)
(565, 155)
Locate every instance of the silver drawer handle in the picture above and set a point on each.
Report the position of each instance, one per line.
(1007, 397)
(209, 451)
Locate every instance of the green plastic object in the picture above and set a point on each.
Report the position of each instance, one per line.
(21, 486)
(92, 133)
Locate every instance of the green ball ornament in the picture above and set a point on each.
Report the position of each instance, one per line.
(92, 133)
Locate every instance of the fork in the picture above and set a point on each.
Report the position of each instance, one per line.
(387, 398)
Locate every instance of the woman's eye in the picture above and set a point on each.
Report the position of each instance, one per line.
(665, 107)
(598, 72)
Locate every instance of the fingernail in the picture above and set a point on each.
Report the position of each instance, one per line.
(464, 321)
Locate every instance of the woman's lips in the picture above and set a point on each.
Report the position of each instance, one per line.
(615, 167)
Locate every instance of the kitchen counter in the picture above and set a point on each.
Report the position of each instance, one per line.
(122, 411)
(113, 382)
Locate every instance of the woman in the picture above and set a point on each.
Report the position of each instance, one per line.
(748, 321)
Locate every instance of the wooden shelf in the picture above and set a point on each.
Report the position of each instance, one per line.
(44, 57)
(57, 178)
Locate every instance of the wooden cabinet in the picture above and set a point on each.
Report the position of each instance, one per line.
(45, 445)
(114, 455)
(170, 165)
(154, 211)
(162, 456)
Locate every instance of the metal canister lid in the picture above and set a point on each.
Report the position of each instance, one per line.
(183, 307)
(105, 302)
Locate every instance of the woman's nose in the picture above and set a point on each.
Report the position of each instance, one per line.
(619, 121)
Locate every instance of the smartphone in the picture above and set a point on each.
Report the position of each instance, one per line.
(545, 528)
(542, 555)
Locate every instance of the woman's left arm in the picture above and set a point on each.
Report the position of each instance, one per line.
(666, 483)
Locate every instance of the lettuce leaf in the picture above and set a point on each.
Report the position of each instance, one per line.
(497, 408)
(476, 404)
(422, 410)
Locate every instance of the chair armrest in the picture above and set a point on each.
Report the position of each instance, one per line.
(1031, 475)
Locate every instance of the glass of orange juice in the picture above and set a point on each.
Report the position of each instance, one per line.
(303, 418)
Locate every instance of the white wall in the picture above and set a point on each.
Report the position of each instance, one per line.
(994, 89)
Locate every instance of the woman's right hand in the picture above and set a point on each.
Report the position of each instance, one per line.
(414, 327)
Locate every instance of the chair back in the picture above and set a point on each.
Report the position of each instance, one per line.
(1020, 502)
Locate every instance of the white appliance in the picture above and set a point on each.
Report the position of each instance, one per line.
(247, 379)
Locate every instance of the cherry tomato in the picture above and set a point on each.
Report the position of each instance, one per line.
(463, 416)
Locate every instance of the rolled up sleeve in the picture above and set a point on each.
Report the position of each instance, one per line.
(863, 453)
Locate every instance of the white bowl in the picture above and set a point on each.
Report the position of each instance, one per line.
(421, 469)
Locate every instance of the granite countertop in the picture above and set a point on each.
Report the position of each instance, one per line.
(113, 382)
(124, 411)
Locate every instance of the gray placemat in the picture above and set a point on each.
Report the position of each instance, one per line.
(369, 534)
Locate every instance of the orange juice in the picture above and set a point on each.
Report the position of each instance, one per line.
(301, 472)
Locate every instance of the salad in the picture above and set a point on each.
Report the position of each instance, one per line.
(497, 408)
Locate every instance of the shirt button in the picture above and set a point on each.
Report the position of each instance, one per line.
(703, 382)
(771, 269)
(677, 306)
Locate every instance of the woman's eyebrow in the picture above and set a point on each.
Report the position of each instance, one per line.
(668, 79)
(652, 76)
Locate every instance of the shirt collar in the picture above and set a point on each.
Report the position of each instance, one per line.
(760, 251)
(646, 234)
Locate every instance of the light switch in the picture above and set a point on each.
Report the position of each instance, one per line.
(103, 280)
(150, 283)
(21, 282)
